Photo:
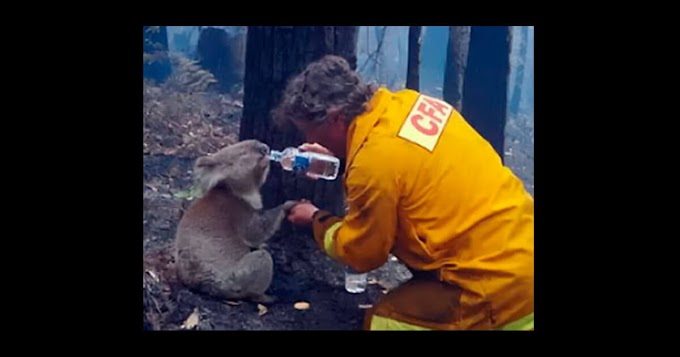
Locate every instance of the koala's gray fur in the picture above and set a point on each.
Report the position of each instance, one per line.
(220, 238)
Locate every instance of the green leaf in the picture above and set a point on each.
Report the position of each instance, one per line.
(183, 194)
(189, 194)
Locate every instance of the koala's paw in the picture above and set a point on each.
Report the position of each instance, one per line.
(288, 205)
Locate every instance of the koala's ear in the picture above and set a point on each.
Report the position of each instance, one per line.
(206, 162)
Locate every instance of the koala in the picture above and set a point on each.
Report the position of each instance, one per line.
(219, 240)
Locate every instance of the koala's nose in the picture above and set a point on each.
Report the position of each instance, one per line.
(264, 149)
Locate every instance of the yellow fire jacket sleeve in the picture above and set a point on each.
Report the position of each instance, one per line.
(364, 238)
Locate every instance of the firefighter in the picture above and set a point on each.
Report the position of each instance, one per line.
(423, 185)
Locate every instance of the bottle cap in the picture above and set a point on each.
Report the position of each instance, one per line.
(275, 155)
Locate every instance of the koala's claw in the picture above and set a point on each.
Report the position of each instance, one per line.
(289, 204)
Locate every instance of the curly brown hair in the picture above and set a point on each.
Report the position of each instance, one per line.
(328, 83)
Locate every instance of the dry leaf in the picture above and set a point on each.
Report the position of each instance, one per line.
(153, 275)
(302, 305)
(191, 321)
(262, 308)
(233, 303)
(365, 306)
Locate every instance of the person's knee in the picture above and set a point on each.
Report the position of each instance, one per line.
(416, 305)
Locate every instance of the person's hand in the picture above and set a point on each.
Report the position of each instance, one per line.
(317, 149)
(301, 214)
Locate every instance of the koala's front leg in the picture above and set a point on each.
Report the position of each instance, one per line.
(264, 224)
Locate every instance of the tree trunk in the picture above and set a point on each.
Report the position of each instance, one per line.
(413, 70)
(157, 64)
(456, 61)
(221, 54)
(273, 55)
(519, 78)
(527, 100)
(486, 83)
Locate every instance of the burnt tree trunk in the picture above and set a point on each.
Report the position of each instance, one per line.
(273, 55)
(456, 61)
(222, 54)
(486, 83)
(413, 70)
(156, 61)
(519, 78)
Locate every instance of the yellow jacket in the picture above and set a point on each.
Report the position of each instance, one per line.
(422, 184)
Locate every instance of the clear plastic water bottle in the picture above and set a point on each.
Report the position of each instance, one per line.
(355, 283)
(311, 163)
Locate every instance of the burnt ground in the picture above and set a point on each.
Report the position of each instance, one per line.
(519, 148)
(180, 127)
(299, 276)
